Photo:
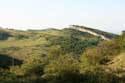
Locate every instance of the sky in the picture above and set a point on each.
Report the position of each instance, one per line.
(107, 15)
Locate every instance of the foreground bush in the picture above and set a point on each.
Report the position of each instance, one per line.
(65, 69)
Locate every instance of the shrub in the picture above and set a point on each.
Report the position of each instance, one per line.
(64, 69)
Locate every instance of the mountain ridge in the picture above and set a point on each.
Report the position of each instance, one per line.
(92, 32)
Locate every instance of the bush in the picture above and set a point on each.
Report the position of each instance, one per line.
(98, 74)
(34, 65)
(64, 69)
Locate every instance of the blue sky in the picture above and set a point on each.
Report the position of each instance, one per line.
(108, 15)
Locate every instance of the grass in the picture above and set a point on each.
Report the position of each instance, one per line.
(118, 62)
(22, 43)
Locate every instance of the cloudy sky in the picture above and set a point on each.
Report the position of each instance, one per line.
(108, 15)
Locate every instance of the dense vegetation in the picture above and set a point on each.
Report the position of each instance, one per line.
(60, 56)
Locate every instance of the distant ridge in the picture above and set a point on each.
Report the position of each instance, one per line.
(93, 32)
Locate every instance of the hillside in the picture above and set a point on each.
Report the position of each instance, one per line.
(13, 42)
(77, 54)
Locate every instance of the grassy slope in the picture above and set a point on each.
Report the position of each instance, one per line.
(118, 63)
(21, 44)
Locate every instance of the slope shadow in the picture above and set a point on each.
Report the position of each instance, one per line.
(6, 61)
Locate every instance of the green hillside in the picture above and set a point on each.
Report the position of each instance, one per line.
(13, 42)
(61, 56)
